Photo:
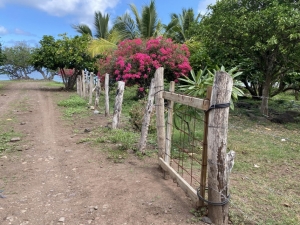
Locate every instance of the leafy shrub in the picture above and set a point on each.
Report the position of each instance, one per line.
(136, 116)
(135, 61)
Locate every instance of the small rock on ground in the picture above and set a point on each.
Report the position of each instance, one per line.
(206, 220)
(14, 139)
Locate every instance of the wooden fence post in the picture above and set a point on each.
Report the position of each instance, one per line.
(91, 88)
(169, 125)
(160, 108)
(118, 105)
(77, 85)
(106, 94)
(147, 117)
(83, 84)
(97, 90)
(204, 152)
(218, 188)
(87, 86)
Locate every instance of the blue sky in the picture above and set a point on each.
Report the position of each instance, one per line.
(29, 20)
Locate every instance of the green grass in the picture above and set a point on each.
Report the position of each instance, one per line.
(265, 174)
(74, 105)
(54, 84)
(5, 136)
(264, 183)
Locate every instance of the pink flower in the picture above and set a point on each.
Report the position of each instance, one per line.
(135, 61)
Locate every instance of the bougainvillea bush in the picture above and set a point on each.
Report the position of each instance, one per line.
(135, 61)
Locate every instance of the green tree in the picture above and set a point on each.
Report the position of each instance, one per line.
(64, 53)
(263, 37)
(1, 56)
(144, 25)
(104, 39)
(16, 61)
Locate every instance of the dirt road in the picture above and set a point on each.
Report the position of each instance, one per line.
(52, 180)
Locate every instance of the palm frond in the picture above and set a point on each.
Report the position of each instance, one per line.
(149, 20)
(82, 29)
(126, 27)
(100, 46)
(138, 19)
(101, 24)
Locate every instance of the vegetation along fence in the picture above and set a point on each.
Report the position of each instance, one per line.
(192, 143)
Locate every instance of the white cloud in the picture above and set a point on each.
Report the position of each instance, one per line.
(82, 9)
(202, 7)
(22, 32)
(3, 30)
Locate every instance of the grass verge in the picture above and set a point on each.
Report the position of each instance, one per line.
(264, 182)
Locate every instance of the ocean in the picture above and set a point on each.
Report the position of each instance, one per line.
(34, 75)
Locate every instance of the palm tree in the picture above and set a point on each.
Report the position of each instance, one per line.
(100, 24)
(104, 39)
(144, 26)
(178, 28)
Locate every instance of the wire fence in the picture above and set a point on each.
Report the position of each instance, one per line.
(186, 158)
(187, 143)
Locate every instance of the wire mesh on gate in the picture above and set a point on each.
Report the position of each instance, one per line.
(187, 142)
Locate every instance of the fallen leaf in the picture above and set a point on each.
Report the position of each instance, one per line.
(267, 128)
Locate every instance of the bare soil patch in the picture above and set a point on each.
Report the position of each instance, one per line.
(51, 179)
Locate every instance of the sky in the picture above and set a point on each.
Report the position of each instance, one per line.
(29, 20)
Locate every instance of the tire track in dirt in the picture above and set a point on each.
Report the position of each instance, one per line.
(43, 172)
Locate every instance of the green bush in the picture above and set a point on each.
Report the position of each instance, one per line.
(136, 116)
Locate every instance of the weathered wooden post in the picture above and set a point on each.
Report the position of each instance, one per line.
(106, 94)
(91, 87)
(169, 125)
(97, 90)
(218, 188)
(118, 105)
(204, 152)
(83, 84)
(80, 85)
(77, 85)
(87, 86)
(147, 117)
(160, 109)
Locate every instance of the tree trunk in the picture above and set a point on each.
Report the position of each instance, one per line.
(264, 108)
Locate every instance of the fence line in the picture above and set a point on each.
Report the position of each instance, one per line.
(160, 90)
